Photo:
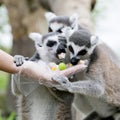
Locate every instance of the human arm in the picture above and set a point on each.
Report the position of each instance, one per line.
(41, 71)
(7, 63)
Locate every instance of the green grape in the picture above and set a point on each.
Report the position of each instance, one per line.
(62, 66)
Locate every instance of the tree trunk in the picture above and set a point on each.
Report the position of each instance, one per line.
(24, 19)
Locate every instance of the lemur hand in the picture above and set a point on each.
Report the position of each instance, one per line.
(19, 59)
(62, 80)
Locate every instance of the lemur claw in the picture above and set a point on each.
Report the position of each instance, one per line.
(62, 80)
(19, 60)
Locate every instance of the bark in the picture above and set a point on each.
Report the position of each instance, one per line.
(24, 18)
(1, 2)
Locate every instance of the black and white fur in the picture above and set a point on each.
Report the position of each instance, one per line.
(53, 27)
(48, 47)
(37, 102)
(78, 50)
(58, 23)
(90, 91)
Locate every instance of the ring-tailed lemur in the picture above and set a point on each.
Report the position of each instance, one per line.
(100, 83)
(58, 23)
(43, 103)
(53, 27)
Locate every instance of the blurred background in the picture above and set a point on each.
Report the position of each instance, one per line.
(18, 18)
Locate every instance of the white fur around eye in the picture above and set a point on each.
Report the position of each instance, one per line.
(54, 37)
(76, 48)
(55, 26)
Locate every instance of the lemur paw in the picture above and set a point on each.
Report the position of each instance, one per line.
(62, 80)
(19, 60)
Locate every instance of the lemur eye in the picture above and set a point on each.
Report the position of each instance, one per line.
(60, 31)
(51, 43)
(71, 49)
(50, 30)
(82, 52)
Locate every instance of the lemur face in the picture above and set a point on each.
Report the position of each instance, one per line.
(76, 53)
(57, 23)
(55, 44)
(81, 45)
(50, 45)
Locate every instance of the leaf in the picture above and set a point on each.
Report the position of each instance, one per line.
(12, 116)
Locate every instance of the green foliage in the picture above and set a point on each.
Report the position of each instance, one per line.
(6, 49)
(1, 118)
(12, 116)
(3, 81)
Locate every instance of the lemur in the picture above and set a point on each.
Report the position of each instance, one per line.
(100, 83)
(55, 23)
(39, 102)
(59, 23)
(70, 21)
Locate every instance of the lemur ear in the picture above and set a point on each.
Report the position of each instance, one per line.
(94, 40)
(67, 31)
(74, 20)
(49, 16)
(36, 37)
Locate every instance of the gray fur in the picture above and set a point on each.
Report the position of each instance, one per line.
(95, 88)
(81, 38)
(98, 88)
(61, 19)
(49, 35)
(38, 102)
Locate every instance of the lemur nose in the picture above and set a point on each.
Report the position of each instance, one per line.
(74, 61)
(61, 49)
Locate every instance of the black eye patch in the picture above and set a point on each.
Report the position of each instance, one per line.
(50, 30)
(71, 49)
(82, 52)
(60, 31)
(51, 43)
